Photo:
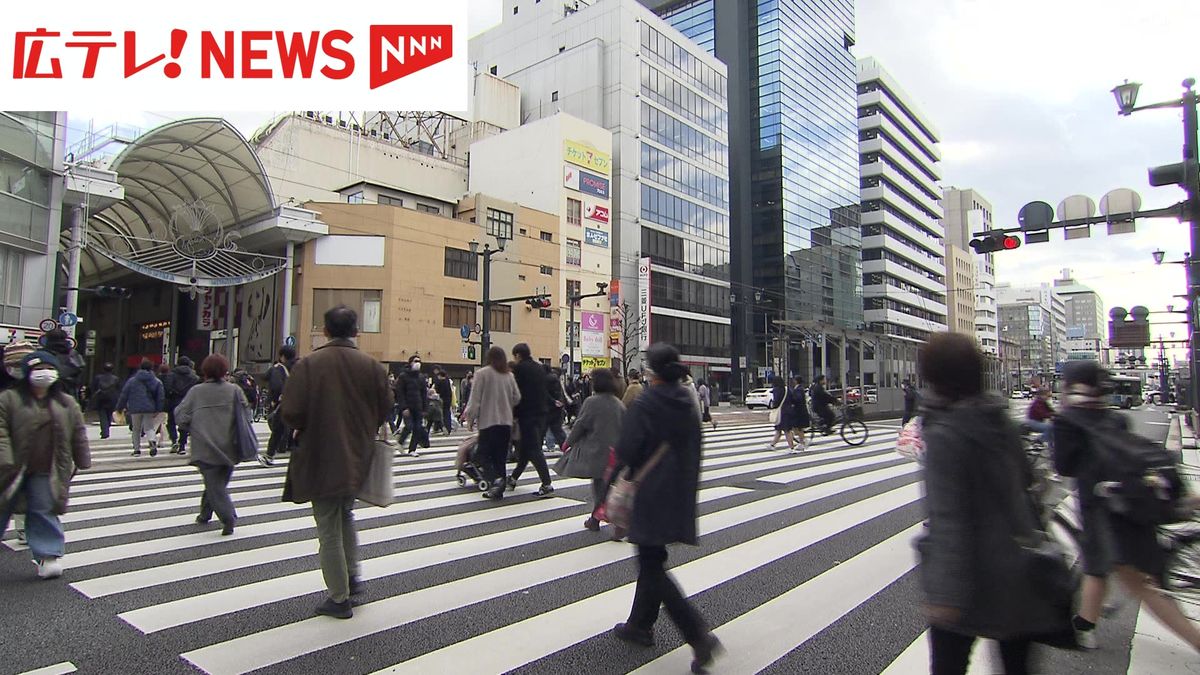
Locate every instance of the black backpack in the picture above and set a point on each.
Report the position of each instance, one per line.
(1141, 480)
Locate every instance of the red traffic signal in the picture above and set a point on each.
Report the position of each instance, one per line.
(540, 302)
(995, 242)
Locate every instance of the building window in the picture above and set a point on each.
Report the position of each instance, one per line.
(545, 314)
(573, 288)
(574, 253)
(516, 9)
(368, 304)
(547, 236)
(574, 211)
(493, 69)
(461, 264)
(458, 313)
(553, 96)
(356, 198)
(500, 224)
(12, 277)
(390, 201)
(426, 208)
(501, 319)
(546, 270)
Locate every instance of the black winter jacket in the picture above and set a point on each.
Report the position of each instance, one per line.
(664, 511)
(531, 381)
(412, 393)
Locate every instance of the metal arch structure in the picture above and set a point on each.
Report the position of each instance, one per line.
(191, 187)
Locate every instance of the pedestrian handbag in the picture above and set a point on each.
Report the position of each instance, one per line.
(245, 441)
(618, 506)
(909, 443)
(1044, 564)
(118, 418)
(377, 487)
(776, 412)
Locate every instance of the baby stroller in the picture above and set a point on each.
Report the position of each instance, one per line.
(469, 465)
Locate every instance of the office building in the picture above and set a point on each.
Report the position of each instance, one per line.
(794, 174)
(967, 213)
(904, 252)
(616, 65)
(1084, 309)
(1034, 318)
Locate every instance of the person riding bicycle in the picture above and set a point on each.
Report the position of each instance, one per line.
(822, 404)
(1040, 414)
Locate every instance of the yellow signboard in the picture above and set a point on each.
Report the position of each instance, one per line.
(589, 363)
(582, 154)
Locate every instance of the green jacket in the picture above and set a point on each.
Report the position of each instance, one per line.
(70, 444)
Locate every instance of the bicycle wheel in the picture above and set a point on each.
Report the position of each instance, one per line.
(855, 432)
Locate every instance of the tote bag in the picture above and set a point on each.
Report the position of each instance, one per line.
(377, 487)
(245, 440)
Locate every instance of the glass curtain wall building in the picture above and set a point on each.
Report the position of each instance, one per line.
(794, 176)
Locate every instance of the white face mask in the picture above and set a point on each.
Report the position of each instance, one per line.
(43, 379)
(416, 365)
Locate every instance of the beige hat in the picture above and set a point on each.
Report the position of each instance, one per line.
(16, 351)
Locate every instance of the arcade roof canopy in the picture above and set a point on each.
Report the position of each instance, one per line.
(190, 187)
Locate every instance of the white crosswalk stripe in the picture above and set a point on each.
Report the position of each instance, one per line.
(520, 581)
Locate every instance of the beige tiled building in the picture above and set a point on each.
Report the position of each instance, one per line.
(960, 290)
(414, 282)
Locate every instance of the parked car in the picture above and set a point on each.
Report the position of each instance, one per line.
(758, 398)
(1018, 394)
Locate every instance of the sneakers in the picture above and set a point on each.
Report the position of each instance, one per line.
(770, 446)
(153, 449)
(227, 529)
(637, 636)
(545, 490)
(265, 460)
(338, 610)
(592, 524)
(1086, 638)
(136, 453)
(48, 568)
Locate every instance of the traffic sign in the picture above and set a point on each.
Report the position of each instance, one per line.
(290, 341)
(67, 319)
(566, 358)
(465, 332)
(464, 352)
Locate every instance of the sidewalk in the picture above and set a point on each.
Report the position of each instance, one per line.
(1156, 649)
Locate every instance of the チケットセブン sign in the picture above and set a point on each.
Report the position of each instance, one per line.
(595, 237)
(235, 55)
(583, 154)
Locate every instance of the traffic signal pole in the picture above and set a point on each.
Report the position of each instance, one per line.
(1191, 214)
(572, 301)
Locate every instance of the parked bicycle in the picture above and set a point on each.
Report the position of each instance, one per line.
(848, 423)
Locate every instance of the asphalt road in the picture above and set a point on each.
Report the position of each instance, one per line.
(805, 565)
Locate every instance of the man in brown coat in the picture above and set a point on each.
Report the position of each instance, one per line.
(336, 398)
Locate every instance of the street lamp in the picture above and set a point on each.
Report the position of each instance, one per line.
(1126, 95)
(485, 338)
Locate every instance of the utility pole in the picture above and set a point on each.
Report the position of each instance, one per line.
(485, 338)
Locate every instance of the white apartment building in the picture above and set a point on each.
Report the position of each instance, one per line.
(616, 65)
(538, 165)
(904, 266)
(967, 213)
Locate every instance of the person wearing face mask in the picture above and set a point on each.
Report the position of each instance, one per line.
(412, 395)
(14, 353)
(43, 442)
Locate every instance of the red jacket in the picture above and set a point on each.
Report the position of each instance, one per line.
(1040, 410)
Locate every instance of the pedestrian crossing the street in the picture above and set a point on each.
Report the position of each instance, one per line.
(450, 576)
(803, 558)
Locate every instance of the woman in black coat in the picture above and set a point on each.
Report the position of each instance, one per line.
(793, 414)
(664, 510)
(971, 562)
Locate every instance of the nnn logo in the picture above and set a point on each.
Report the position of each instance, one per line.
(399, 51)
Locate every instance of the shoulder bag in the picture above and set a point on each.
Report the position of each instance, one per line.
(618, 506)
(377, 486)
(245, 442)
(777, 412)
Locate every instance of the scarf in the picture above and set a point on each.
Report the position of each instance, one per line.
(1083, 396)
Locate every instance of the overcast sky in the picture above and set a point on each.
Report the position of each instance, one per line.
(1019, 90)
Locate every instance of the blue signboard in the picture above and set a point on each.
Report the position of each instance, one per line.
(592, 184)
(595, 237)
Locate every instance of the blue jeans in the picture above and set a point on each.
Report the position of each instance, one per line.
(1043, 427)
(43, 530)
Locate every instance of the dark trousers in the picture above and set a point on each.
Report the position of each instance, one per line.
(493, 451)
(529, 447)
(554, 422)
(950, 653)
(216, 493)
(178, 436)
(415, 425)
(654, 588)
(447, 416)
(281, 435)
(106, 414)
(396, 418)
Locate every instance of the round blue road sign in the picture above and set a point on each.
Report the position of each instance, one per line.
(67, 319)
(465, 331)
(290, 341)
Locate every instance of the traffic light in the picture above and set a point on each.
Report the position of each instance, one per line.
(540, 302)
(471, 352)
(995, 242)
(112, 292)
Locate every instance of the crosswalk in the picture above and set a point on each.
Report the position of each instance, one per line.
(798, 552)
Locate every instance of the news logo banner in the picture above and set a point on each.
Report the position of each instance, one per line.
(235, 56)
